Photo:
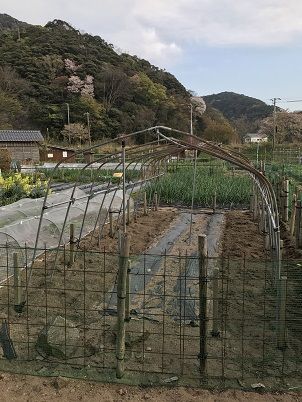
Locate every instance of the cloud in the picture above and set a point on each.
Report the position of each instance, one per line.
(159, 30)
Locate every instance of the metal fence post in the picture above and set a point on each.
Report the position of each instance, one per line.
(110, 222)
(121, 304)
(17, 283)
(215, 331)
(202, 251)
(71, 244)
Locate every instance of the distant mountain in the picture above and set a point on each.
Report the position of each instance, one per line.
(243, 111)
(234, 106)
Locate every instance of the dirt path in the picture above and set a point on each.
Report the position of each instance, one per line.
(15, 388)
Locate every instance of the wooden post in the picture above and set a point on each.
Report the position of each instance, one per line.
(145, 203)
(71, 244)
(121, 305)
(293, 216)
(17, 283)
(281, 335)
(298, 224)
(128, 212)
(215, 331)
(111, 223)
(202, 251)
(214, 202)
(155, 201)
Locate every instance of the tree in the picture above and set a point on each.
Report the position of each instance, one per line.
(289, 127)
(75, 133)
(220, 132)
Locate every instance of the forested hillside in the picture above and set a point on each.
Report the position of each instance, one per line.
(44, 68)
(244, 112)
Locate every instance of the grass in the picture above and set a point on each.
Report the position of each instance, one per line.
(231, 187)
(84, 176)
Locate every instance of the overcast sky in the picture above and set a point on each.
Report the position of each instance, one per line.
(252, 47)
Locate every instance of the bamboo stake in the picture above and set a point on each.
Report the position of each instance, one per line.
(155, 201)
(293, 216)
(121, 305)
(298, 224)
(128, 212)
(202, 251)
(145, 203)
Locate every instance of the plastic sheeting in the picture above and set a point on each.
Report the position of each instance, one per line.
(23, 224)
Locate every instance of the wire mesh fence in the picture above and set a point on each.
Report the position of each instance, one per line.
(64, 321)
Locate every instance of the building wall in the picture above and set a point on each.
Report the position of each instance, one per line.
(57, 155)
(23, 151)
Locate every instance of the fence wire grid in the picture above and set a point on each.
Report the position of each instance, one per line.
(64, 322)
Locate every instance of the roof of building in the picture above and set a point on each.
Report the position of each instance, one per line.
(60, 147)
(21, 136)
(255, 135)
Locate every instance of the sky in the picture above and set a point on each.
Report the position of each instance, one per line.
(253, 47)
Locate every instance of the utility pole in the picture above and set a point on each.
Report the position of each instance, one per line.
(68, 121)
(191, 128)
(88, 126)
(68, 114)
(274, 100)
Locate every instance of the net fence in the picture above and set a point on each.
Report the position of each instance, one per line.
(68, 323)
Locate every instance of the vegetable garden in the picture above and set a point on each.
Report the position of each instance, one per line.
(78, 301)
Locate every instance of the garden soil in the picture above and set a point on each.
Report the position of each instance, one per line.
(241, 237)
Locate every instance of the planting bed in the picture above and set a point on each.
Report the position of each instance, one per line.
(163, 334)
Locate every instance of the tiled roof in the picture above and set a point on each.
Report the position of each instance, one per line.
(20, 136)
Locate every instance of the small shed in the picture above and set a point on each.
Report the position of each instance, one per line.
(23, 145)
(55, 153)
(255, 137)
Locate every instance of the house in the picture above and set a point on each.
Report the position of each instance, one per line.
(55, 153)
(23, 145)
(255, 137)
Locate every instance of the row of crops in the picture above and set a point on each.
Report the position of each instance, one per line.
(231, 187)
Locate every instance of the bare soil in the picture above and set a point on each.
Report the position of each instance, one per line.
(243, 299)
(18, 388)
(242, 238)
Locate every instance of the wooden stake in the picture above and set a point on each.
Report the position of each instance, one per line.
(202, 251)
(17, 283)
(215, 331)
(155, 201)
(298, 224)
(145, 203)
(128, 212)
(121, 305)
(281, 336)
(293, 216)
(71, 244)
